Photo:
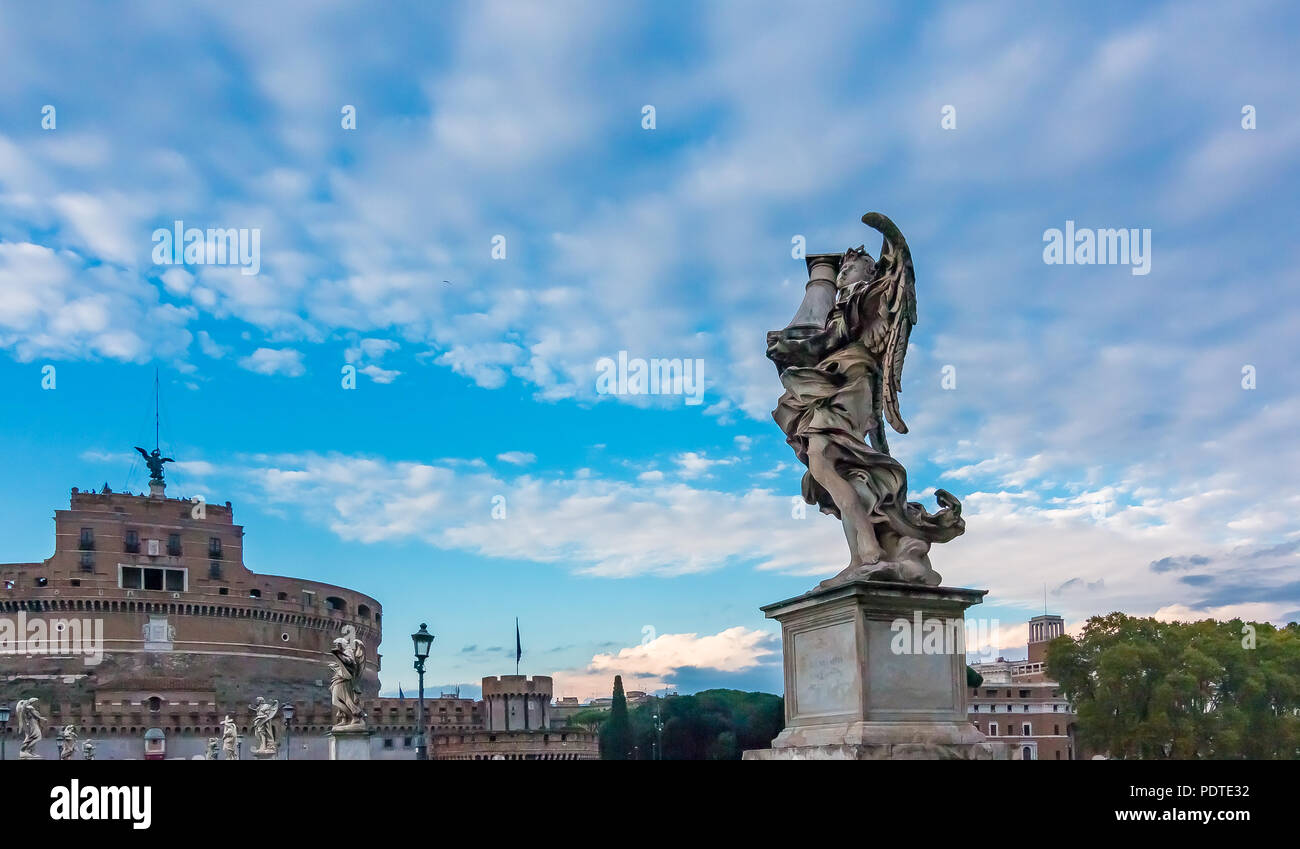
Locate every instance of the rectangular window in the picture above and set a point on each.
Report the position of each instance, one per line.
(1026, 731)
(157, 579)
(87, 561)
(174, 545)
(993, 729)
(132, 542)
(214, 570)
(87, 539)
(214, 547)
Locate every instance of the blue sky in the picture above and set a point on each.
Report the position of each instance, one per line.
(1099, 433)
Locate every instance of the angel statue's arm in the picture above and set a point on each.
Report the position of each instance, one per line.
(789, 351)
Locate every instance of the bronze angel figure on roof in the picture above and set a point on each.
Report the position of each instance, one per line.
(154, 460)
(841, 363)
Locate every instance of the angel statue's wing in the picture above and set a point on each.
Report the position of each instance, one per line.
(894, 270)
(143, 453)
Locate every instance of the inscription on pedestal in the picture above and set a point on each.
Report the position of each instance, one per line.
(825, 670)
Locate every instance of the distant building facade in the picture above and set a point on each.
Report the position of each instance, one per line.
(518, 726)
(187, 632)
(188, 635)
(1019, 705)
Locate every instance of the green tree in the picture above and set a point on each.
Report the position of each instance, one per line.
(710, 725)
(590, 719)
(1182, 690)
(616, 733)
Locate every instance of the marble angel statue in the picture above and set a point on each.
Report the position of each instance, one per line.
(29, 725)
(264, 728)
(841, 363)
(345, 681)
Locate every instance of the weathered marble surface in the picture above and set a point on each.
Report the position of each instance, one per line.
(349, 745)
(857, 690)
(265, 729)
(345, 681)
(840, 360)
(30, 727)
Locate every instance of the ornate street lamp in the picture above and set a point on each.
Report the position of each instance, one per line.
(423, 641)
(4, 728)
(287, 710)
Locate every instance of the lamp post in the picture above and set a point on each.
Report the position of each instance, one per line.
(659, 736)
(4, 728)
(287, 710)
(423, 641)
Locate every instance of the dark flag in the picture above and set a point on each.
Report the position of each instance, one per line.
(399, 693)
(519, 647)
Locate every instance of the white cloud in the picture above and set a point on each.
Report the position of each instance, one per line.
(286, 361)
(691, 464)
(380, 375)
(52, 305)
(653, 665)
(209, 345)
(518, 458)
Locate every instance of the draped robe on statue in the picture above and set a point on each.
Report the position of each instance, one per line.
(839, 398)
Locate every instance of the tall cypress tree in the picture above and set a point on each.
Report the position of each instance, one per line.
(616, 733)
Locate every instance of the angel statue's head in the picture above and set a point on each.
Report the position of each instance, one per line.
(856, 267)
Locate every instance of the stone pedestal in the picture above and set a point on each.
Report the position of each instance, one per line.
(349, 745)
(876, 670)
(265, 755)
